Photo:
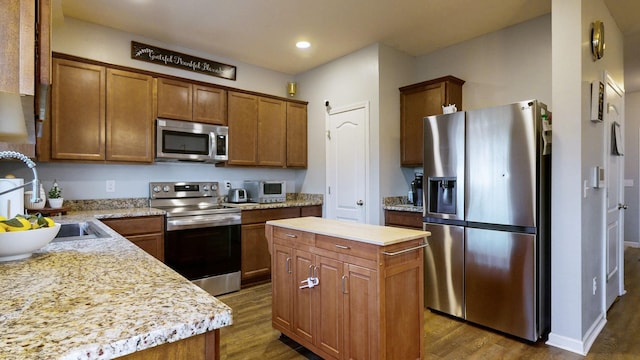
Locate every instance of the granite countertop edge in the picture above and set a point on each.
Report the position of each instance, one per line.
(403, 207)
(84, 305)
(286, 204)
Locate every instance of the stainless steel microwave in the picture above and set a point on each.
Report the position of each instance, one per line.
(262, 191)
(190, 141)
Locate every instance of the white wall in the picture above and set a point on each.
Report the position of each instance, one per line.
(577, 235)
(632, 140)
(396, 70)
(502, 67)
(76, 37)
(345, 81)
(87, 181)
(631, 169)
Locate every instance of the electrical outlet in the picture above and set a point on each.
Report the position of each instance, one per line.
(227, 184)
(111, 186)
(595, 285)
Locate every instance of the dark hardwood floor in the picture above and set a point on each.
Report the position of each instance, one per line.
(251, 335)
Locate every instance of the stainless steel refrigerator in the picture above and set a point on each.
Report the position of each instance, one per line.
(487, 204)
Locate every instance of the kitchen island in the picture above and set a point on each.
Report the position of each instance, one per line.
(347, 290)
(104, 298)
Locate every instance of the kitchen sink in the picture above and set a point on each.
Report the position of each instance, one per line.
(80, 231)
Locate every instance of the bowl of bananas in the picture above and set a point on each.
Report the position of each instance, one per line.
(21, 235)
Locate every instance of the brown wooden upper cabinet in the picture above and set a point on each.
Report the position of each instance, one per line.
(416, 102)
(17, 35)
(296, 135)
(243, 131)
(78, 111)
(130, 117)
(272, 132)
(192, 102)
(257, 130)
(100, 114)
(265, 131)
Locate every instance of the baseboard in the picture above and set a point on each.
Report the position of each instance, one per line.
(594, 331)
(580, 347)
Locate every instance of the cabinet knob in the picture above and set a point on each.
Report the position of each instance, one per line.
(360, 203)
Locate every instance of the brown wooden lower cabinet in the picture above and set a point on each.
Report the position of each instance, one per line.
(147, 232)
(408, 219)
(367, 305)
(200, 347)
(255, 259)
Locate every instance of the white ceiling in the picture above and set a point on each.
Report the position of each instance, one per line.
(263, 33)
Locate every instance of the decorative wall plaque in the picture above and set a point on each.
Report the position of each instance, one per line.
(182, 61)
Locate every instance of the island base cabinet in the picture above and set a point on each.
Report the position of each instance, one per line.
(367, 303)
(318, 311)
(200, 347)
(360, 313)
(282, 286)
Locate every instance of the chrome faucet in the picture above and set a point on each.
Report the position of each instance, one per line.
(35, 196)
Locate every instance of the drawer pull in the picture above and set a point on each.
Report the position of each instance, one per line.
(342, 247)
(292, 236)
(424, 245)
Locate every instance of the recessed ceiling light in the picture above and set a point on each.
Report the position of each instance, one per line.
(303, 44)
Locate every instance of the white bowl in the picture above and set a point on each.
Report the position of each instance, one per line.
(17, 245)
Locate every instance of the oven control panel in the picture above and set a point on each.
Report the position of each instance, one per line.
(178, 190)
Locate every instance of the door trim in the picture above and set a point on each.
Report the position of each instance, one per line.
(611, 83)
(367, 185)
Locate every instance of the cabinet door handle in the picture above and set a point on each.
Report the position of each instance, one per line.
(292, 235)
(310, 271)
(344, 286)
(405, 250)
(342, 247)
(288, 265)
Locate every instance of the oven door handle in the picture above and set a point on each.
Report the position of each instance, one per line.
(202, 222)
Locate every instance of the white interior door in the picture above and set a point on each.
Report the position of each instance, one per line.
(614, 166)
(347, 163)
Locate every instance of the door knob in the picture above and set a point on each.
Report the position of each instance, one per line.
(622, 206)
(360, 203)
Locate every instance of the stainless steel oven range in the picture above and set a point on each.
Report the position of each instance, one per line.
(202, 239)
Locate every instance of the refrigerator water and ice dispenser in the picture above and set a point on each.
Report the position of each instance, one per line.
(442, 195)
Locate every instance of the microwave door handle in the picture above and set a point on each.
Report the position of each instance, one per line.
(212, 145)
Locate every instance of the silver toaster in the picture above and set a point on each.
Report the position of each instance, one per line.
(237, 196)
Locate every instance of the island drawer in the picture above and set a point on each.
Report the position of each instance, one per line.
(300, 237)
(348, 247)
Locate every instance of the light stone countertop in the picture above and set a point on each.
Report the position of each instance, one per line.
(403, 207)
(399, 203)
(367, 233)
(98, 299)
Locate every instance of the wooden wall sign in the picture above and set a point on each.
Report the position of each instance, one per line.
(182, 61)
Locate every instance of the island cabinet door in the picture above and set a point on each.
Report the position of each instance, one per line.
(302, 304)
(283, 287)
(361, 319)
(328, 308)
